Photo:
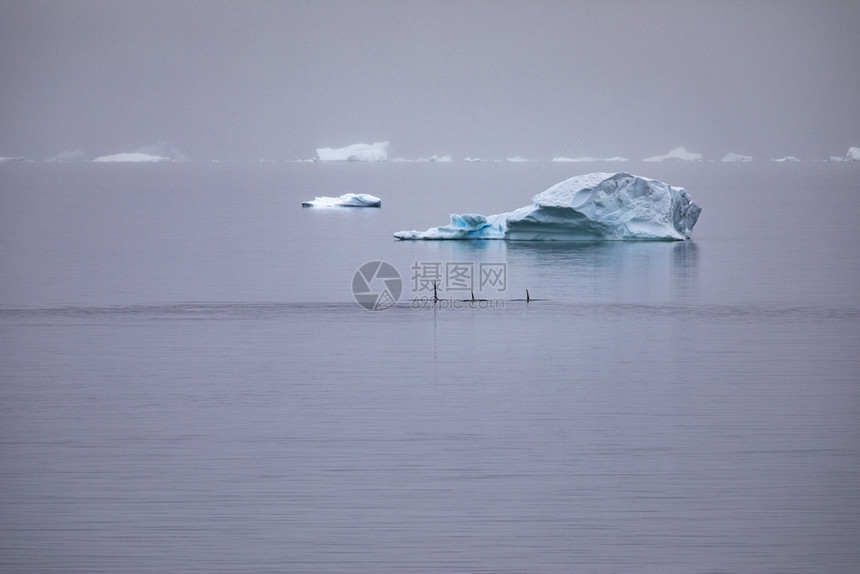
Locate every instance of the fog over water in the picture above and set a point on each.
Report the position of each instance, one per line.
(236, 80)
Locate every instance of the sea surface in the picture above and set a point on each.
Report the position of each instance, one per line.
(187, 383)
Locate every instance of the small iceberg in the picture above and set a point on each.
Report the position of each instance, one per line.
(345, 200)
(595, 206)
(355, 152)
(677, 154)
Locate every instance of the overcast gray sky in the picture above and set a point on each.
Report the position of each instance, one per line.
(487, 79)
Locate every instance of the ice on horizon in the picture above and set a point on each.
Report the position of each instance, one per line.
(162, 151)
(677, 154)
(345, 200)
(588, 159)
(356, 152)
(786, 159)
(431, 159)
(736, 157)
(131, 157)
(595, 206)
(440, 158)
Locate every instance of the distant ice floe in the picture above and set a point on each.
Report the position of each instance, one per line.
(786, 159)
(440, 158)
(345, 200)
(588, 159)
(5, 159)
(736, 157)
(473, 159)
(677, 154)
(518, 159)
(133, 157)
(355, 152)
(431, 159)
(162, 151)
(596, 206)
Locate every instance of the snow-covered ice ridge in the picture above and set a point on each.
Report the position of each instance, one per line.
(345, 200)
(613, 206)
(355, 152)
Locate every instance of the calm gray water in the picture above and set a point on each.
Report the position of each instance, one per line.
(187, 384)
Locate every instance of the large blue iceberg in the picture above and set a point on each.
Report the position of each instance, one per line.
(614, 206)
